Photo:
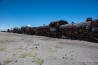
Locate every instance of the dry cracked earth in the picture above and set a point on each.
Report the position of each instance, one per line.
(20, 49)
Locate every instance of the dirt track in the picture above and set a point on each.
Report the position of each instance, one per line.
(20, 49)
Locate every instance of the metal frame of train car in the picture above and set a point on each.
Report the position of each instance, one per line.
(54, 28)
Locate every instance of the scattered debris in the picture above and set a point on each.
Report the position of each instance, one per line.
(71, 59)
(34, 48)
(84, 64)
(16, 61)
(72, 51)
(65, 55)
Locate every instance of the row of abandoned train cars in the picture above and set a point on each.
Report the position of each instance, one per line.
(83, 31)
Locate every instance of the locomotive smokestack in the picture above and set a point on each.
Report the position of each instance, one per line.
(88, 19)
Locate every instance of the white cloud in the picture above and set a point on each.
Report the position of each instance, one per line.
(29, 25)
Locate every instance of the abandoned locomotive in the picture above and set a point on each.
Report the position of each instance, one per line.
(84, 31)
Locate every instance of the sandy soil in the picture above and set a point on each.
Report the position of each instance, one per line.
(20, 49)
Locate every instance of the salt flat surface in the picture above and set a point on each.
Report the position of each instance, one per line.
(20, 49)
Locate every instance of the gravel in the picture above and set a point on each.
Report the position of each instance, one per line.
(49, 51)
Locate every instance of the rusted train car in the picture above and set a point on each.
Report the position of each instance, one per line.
(84, 31)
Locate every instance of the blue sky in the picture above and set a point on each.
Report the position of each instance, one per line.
(17, 13)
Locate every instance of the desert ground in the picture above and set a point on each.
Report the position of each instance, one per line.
(21, 49)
